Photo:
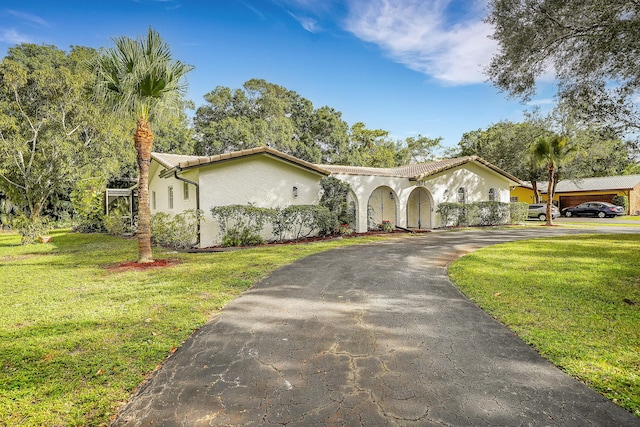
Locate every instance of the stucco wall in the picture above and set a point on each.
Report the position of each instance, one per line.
(261, 180)
(160, 186)
(442, 187)
(268, 182)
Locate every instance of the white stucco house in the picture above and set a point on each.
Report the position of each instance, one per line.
(407, 196)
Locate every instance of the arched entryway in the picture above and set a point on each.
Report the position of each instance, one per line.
(419, 209)
(381, 207)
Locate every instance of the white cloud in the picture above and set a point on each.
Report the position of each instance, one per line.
(27, 17)
(10, 36)
(308, 24)
(439, 38)
(544, 101)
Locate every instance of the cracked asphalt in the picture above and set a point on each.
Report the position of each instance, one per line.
(367, 335)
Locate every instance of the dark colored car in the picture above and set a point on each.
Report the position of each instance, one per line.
(539, 210)
(599, 209)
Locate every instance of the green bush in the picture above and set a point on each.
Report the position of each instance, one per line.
(518, 212)
(334, 198)
(30, 229)
(621, 201)
(303, 221)
(179, 231)
(241, 225)
(481, 213)
(493, 213)
(87, 199)
(457, 214)
(117, 223)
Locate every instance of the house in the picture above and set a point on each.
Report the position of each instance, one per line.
(572, 192)
(407, 196)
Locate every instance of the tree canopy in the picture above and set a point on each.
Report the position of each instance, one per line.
(263, 113)
(51, 134)
(591, 47)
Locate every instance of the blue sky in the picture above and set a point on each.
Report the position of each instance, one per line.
(406, 66)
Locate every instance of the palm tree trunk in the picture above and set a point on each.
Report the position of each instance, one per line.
(550, 188)
(143, 140)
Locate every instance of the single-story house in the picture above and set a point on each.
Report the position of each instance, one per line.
(572, 192)
(407, 196)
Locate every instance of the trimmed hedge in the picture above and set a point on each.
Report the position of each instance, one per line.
(481, 213)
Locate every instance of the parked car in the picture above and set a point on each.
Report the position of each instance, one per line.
(599, 209)
(539, 210)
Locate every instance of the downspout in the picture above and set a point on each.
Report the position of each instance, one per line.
(195, 184)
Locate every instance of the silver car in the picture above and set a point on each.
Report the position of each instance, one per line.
(539, 211)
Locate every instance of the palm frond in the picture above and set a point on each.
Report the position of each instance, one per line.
(138, 77)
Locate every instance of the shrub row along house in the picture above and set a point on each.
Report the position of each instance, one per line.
(406, 196)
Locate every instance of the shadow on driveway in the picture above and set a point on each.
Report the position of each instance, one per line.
(371, 335)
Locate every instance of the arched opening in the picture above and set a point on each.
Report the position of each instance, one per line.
(419, 209)
(381, 207)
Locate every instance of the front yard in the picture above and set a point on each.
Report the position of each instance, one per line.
(77, 336)
(576, 299)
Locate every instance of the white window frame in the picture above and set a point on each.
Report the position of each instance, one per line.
(170, 195)
(185, 191)
(153, 200)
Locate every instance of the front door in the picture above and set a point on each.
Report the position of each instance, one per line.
(419, 209)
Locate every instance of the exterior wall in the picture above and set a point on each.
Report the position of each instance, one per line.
(269, 182)
(442, 187)
(523, 194)
(160, 187)
(634, 200)
(262, 180)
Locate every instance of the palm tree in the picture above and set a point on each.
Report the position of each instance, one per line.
(551, 151)
(140, 80)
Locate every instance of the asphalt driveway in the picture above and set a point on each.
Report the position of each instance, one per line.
(372, 335)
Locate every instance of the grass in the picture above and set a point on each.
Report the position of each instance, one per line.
(576, 299)
(76, 338)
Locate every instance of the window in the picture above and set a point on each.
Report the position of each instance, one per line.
(153, 200)
(170, 197)
(514, 198)
(185, 191)
(462, 195)
(493, 195)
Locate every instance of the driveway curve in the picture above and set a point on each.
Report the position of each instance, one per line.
(367, 335)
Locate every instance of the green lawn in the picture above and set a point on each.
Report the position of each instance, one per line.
(576, 299)
(76, 337)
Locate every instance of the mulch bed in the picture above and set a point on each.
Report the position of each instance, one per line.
(300, 241)
(141, 266)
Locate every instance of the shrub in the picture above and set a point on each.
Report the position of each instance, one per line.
(492, 213)
(621, 201)
(117, 223)
(457, 214)
(87, 199)
(241, 224)
(309, 219)
(481, 213)
(30, 228)
(179, 231)
(334, 198)
(518, 212)
(386, 226)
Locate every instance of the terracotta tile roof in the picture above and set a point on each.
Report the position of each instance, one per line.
(416, 172)
(177, 161)
(413, 172)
